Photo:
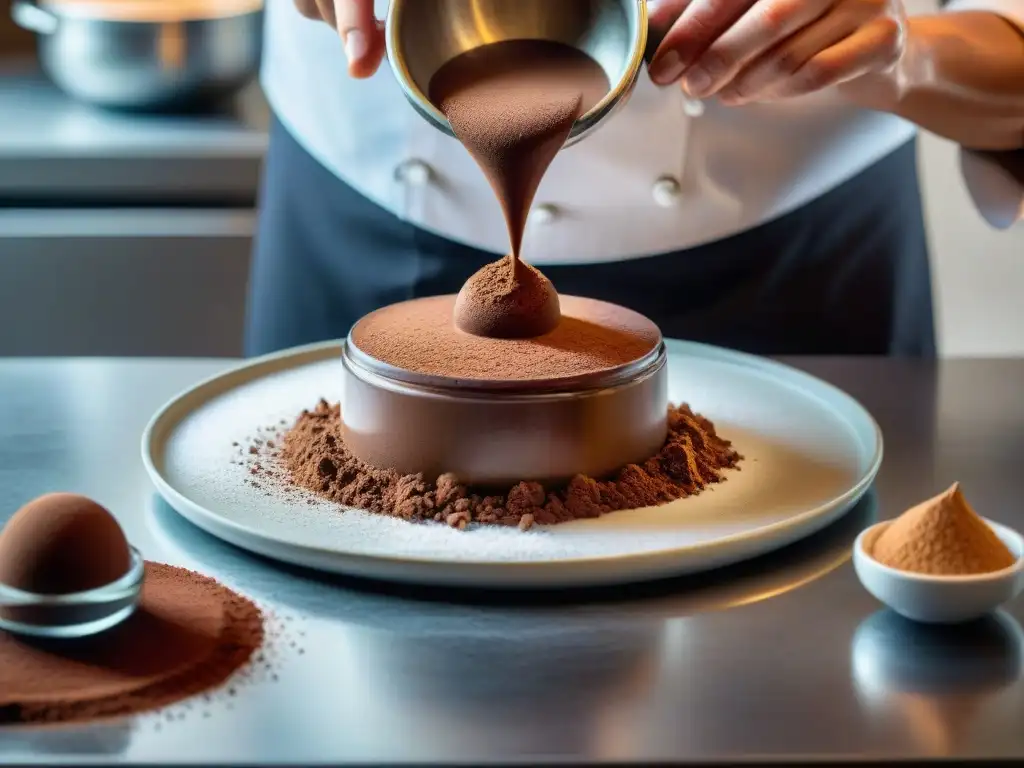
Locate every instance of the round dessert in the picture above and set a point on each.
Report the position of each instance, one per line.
(592, 340)
(422, 396)
(507, 299)
(60, 544)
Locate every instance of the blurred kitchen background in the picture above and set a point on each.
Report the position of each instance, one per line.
(130, 234)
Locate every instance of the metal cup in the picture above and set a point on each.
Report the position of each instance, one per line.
(423, 35)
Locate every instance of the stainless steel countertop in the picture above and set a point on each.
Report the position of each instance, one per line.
(785, 657)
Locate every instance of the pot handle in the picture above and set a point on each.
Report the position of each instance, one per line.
(28, 15)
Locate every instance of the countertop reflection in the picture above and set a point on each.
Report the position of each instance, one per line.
(782, 657)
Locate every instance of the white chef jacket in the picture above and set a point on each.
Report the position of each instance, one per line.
(651, 180)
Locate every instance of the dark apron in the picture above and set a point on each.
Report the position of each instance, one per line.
(847, 274)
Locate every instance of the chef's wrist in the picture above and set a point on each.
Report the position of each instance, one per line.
(885, 91)
(961, 76)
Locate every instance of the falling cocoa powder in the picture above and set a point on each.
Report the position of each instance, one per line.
(513, 104)
(313, 456)
(188, 636)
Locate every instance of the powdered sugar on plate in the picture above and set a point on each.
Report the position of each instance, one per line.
(807, 448)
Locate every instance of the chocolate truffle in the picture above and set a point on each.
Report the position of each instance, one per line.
(62, 543)
(507, 299)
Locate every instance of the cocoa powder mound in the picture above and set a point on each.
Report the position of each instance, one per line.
(312, 455)
(507, 299)
(942, 536)
(188, 636)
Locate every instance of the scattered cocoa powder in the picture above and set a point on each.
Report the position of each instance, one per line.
(419, 336)
(942, 536)
(188, 636)
(513, 104)
(312, 456)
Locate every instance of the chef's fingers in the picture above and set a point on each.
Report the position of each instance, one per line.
(873, 47)
(325, 10)
(362, 35)
(309, 9)
(786, 59)
(762, 27)
(702, 22)
(661, 15)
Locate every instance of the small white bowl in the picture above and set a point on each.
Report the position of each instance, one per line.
(939, 599)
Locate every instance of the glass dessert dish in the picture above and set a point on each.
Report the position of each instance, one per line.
(495, 432)
(77, 614)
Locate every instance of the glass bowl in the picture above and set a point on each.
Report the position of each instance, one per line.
(78, 614)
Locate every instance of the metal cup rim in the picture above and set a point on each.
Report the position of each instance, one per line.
(618, 92)
(380, 373)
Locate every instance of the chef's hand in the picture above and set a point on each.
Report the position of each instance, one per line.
(360, 31)
(762, 50)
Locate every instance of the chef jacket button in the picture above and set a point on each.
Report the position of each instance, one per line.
(415, 173)
(692, 107)
(543, 214)
(666, 192)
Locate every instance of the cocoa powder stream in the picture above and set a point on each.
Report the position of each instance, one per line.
(512, 104)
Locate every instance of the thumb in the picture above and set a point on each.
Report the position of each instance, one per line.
(361, 34)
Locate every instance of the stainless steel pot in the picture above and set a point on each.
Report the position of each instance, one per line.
(146, 55)
(423, 35)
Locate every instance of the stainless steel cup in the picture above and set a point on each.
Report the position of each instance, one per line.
(423, 35)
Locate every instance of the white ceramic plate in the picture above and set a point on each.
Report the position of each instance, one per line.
(811, 452)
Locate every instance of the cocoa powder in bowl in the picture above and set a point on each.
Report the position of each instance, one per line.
(942, 536)
(418, 337)
(188, 635)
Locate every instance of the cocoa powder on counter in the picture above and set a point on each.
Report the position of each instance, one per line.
(188, 636)
(312, 455)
